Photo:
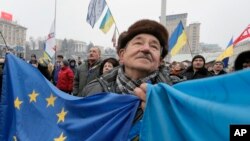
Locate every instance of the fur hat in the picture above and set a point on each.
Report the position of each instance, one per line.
(145, 26)
(241, 58)
(111, 60)
(199, 56)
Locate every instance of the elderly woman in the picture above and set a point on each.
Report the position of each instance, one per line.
(107, 65)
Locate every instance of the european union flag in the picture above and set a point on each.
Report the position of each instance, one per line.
(32, 109)
(197, 110)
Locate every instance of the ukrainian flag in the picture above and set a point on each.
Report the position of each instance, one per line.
(107, 22)
(177, 40)
(224, 56)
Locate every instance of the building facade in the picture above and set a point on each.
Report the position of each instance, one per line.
(13, 33)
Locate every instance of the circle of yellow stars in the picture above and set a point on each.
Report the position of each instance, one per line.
(50, 102)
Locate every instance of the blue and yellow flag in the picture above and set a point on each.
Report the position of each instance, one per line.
(197, 110)
(107, 22)
(32, 109)
(224, 56)
(177, 40)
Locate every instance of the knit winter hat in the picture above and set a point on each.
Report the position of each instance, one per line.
(198, 56)
(145, 26)
(221, 62)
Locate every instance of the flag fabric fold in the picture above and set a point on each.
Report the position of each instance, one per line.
(32, 109)
(197, 110)
(50, 44)
(224, 56)
(107, 22)
(177, 40)
(95, 10)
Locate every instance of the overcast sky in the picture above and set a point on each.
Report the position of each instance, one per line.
(220, 19)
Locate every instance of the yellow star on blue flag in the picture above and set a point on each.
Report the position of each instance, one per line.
(48, 114)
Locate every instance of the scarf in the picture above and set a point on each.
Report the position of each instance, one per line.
(127, 86)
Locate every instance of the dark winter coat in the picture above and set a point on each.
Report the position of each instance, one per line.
(190, 74)
(220, 73)
(84, 75)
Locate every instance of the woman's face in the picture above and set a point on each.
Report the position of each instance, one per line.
(107, 67)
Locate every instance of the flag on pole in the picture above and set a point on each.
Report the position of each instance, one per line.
(224, 56)
(114, 38)
(50, 44)
(95, 10)
(177, 40)
(107, 22)
(245, 34)
(6, 16)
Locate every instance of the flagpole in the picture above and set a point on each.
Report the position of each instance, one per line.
(189, 48)
(55, 31)
(113, 18)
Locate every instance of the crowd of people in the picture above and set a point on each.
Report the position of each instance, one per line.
(141, 51)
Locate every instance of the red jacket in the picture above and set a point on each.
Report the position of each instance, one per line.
(65, 79)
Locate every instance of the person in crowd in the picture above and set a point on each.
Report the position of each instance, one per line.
(43, 67)
(218, 68)
(79, 62)
(56, 69)
(33, 61)
(72, 65)
(3, 52)
(88, 71)
(186, 64)
(140, 49)
(107, 65)
(197, 69)
(65, 78)
(176, 70)
(50, 69)
(242, 61)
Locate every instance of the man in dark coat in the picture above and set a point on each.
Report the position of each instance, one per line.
(197, 69)
(218, 68)
(88, 71)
